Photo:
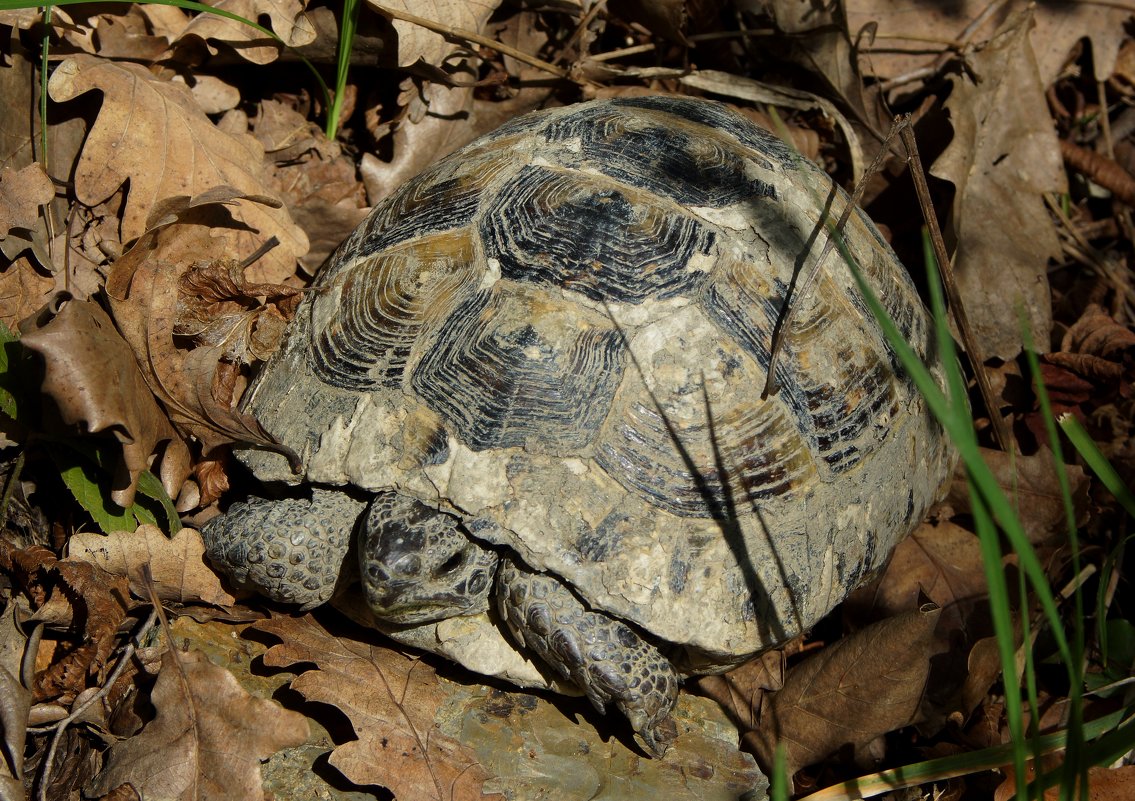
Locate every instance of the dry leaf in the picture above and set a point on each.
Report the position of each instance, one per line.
(741, 691)
(391, 700)
(314, 177)
(15, 702)
(177, 566)
(1059, 26)
(287, 20)
(125, 33)
(23, 289)
(941, 563)
(1097, 333)
(435, 124)
(416, 43)
(856, 689)
(22, 192)
(94, 381)
(1003, 160)
(90, 602)
(139, 113)
(1033, 487)
(206, 740)
(143, 287)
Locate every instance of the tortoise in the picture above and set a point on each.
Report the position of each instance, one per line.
(527, 391)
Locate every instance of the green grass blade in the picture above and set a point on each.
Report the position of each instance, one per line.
(1097, 462)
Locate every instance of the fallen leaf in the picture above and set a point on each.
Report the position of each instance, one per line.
(1004, 158)
(1097, 333)
(313, 176)
(286, 18)
(435, 123)
(143, 287)
(140, 111)
(206, 740)
(125, 33)
(856, 689)
(15, 701)
(22, 192)
(90, 604)
(903, 26)
(941, 563)
(94, 381)
(177, 565)
(23, 289)
(741, 690)
(1033, 487)
(416, 43)
(391, 700)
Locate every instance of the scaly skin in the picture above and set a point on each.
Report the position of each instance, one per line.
(602, 656)
(418, 564)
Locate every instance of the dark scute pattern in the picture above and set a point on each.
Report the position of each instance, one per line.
(833, 415)
(723, 121)
(749, 454)
(690, 166)
(510, 377)
(562, 229)
(367, 321)
(443, 197)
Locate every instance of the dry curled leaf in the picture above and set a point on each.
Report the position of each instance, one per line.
(143, 287)
(90, 602)
(94, 381)
(23, 289)
(419, 44)
(856, 689)
(206, 740)
(1097, 333)
(391, 700)
(151, 133)
(1033, 487)
(177, 567)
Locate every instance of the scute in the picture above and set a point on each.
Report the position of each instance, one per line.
(518, 367)
(659, 155)
(610, 243)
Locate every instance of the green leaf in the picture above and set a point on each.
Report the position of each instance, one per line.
(84, 466)
(10, 363)
(151, 487)
(82, 478)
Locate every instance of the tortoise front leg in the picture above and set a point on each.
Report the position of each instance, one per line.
(603, 656)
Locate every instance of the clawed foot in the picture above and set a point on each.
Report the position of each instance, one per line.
(604, 657)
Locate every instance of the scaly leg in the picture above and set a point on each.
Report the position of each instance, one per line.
(603, 656)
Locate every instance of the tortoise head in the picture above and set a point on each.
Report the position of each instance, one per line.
(419, 565)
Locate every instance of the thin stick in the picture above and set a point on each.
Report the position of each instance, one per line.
(944, 57)
(957, 308)
(62, 725)
(451, 34)
(784, 325)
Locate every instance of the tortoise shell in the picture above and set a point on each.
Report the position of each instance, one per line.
(561, 333)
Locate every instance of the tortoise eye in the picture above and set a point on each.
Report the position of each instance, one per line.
(452, 563)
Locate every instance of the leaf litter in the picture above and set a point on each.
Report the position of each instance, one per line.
(167, 180)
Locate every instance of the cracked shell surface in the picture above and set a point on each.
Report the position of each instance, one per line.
(561, 333)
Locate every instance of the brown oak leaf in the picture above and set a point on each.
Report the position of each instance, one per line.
(206, 740)
(152, 133)
(856, 689)
(92, 376)
(177, 565)
(391, 700)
